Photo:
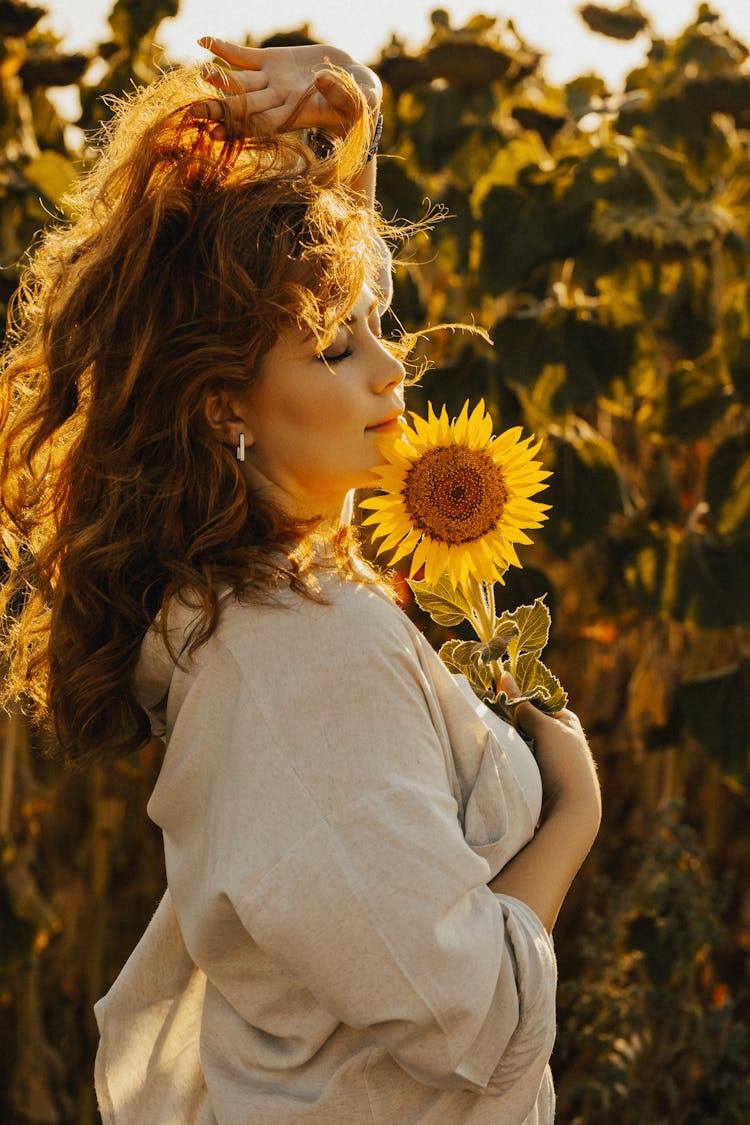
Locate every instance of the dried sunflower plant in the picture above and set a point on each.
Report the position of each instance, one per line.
(458, 500)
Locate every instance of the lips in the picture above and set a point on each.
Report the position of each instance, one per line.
(390, 420)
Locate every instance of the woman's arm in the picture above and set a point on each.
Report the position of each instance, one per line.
(542, 872)
(279, 89)
(320, 806)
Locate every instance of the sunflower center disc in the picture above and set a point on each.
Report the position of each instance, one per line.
(454, 494)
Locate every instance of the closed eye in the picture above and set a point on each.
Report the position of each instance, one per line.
(336, 357)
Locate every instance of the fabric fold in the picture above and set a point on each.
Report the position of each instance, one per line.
(328, 949)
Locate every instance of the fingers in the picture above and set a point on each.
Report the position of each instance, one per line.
(240, 114)
(209, 110)
(232, 81)
(569, 719)
(307, 93)
(526, 713)
(530, 717)
(248, 58)
(217, 76)
(335, 93)
(214, 109)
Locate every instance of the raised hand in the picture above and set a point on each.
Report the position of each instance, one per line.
(277, 89)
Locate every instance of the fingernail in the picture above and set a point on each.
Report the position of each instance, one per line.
(509, 683)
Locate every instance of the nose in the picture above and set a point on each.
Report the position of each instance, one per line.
(388, 370)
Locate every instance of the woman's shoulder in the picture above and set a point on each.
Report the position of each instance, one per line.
(345, 612)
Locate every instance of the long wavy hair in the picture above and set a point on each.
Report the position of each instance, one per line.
(183, 261)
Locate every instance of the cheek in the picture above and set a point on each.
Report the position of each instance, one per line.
(318, 408)
(282, 412)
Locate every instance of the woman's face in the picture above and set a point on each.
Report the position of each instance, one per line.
(312, 421)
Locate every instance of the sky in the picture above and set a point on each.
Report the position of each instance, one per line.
(364, 27)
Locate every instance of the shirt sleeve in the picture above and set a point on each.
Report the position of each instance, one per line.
(367, 893)
(382, 912)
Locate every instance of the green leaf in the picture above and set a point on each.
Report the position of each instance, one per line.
(533, 676)
(454, 655)
(533, 624)
(480, 677)
(481, 652)
(716, 709)
(445, 604)
(441, 130)
(398, 193)
(518, 234)
(706, 581)
(585, 177)
(594, 354)
(642, 562)
(590, 351)
(691, 400)
(584, 93)
(462, 652)
(523, 347)
(517, 153)
(537, 685)
(728, 486)
(505, 631)
(739, 368)
(132, 20)
(52, 174)
(585, 489)
(455, 239)
(505, 705)
(450, 657)
(686, 321)
(469, 160)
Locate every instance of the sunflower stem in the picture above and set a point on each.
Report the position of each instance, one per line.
(483, 609)
(488, 597)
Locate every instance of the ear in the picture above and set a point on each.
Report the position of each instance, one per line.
(227, 417)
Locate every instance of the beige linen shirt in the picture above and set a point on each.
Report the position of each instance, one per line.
(328, 950)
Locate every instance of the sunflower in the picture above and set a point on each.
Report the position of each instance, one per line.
(457, 498)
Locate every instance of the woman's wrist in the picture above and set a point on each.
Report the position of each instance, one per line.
(369, 84)
(321, 140)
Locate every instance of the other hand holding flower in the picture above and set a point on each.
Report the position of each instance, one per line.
(458, 500)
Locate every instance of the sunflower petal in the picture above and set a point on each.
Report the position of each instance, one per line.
(510, 553)
(406, 548)
(461, 425)
(418, 558)
(392, 540)
(477, 426)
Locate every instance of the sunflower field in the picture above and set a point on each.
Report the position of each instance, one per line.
(602, 241)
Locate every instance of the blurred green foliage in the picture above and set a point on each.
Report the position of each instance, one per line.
(602, 239)
(652, 1034)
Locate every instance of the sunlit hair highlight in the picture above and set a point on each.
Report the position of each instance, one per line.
(184, 260)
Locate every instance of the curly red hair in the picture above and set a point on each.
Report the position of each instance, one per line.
(184, 261)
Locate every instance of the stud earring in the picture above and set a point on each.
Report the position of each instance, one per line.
(240, 451)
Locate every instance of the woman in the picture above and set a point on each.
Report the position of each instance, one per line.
(359, 903)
